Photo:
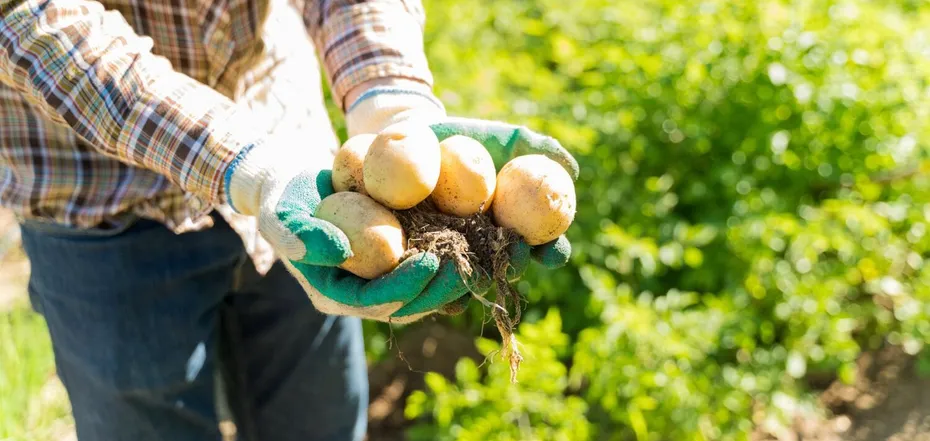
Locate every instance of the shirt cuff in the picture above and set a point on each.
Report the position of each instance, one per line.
(369, 41)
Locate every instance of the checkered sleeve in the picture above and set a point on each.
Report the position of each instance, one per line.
(361, 40)
(85, 67)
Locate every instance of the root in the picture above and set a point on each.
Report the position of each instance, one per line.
(480, 252)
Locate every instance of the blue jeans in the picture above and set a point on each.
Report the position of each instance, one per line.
(149, 328)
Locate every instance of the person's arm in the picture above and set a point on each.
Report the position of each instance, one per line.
(85, 67)
(368, 43)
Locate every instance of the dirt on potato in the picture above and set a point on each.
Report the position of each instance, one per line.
(480, 251)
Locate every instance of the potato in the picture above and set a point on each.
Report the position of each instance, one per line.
(536, 197)
(374, 233)
(402, 165)
(467, 177)
(347, 166)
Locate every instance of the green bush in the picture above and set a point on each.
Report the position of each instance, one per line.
(753, 206)
(491, 408)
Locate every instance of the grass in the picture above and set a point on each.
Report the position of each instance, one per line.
(33, 403)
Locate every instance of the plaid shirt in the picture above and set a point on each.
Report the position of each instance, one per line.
(136, 107)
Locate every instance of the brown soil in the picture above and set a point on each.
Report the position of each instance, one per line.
(480, 251)
(890, 401)
(427, 347)
(474, 243)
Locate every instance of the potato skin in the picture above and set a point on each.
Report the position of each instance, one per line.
(402, 165)
(374, 233)
(536, 197)
(467, 177)
(347, 165)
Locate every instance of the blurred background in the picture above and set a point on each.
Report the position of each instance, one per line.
(750, 242)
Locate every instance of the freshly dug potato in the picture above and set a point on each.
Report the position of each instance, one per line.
(375, 235)
(347, 166)
(536, 197)
(402, 165)
(467, 177)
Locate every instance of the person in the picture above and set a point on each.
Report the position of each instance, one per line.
(165, 158)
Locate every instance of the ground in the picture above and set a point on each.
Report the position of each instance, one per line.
(890, 402)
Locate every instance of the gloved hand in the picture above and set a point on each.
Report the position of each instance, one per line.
(283, 189)
(380, 107)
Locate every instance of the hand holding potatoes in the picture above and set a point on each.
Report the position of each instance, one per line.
(532, 197)
(334, 243)
(419, 187)
(440, 181)
(383, 106)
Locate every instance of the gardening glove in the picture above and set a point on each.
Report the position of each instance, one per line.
(380, 107)
(283, 188)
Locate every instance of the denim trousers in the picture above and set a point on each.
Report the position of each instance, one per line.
(158, 335)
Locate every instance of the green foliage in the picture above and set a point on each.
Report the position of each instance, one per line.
(33, 405)
(488, 408)
(753, 202)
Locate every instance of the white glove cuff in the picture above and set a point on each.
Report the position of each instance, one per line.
(380, 107)
(245, 176)
(262, 168)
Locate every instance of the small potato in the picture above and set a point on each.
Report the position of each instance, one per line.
(374, 233)
(347, 166)
(536, 197)
(402, 165)
(467, 177)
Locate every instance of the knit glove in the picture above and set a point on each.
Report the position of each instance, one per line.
(380, 107)
(283, 189)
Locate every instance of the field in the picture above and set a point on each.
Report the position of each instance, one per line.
(750, 247)
(33, 403)
(892, 402)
